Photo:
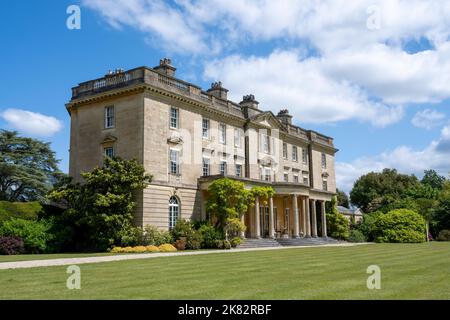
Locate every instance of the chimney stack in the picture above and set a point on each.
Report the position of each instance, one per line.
(165, 67)
(218, 91)
(249, 101)
(284, 116)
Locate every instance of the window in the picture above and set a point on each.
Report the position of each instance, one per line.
(174, 162)
(205, 128)
(266, 174)
(305, 178)
(109, 117)
(109, 152)
(206, 167)
(265, 143)
(304, 155)
(296, 178)
(237, 137)
(238, 170)
(286, 177)
(222, 133)
(285, 152)
(324, 161)
(173, 118)
(325, 184)
(174, 212)
(223, 167)
(294, 153)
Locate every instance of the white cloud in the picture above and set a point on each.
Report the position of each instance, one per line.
(283, 80)
(428, 119)
(31, 122)
(356, 72)
(403, 158)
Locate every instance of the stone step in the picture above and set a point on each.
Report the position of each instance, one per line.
(266, 242)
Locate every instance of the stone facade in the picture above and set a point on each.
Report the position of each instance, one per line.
(175, 129)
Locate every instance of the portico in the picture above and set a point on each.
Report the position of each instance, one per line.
(294, 211)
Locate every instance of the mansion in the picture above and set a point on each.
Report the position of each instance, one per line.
(186, 138)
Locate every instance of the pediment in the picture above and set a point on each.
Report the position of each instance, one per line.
(109, 139)
(268, 120)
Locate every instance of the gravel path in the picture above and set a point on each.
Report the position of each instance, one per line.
(71, 261)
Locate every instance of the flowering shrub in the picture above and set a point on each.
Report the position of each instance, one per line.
(167, 248)
(11, 245)
(144, 249)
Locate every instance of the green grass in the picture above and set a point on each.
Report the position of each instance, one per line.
(24, 210)
(27, 257)
(408, 271)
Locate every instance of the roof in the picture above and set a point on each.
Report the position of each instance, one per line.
(354, 211)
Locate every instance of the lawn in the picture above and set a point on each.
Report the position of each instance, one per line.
(408, 271)
(27, 257)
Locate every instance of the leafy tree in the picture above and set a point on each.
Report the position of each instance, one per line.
(375, 191)
(432, 179)
(337, 224)
(401, 226)
(441, 215)
(28, 168)
(228, 200)
(342, 198)
(101, 209)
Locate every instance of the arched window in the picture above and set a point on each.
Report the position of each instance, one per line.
(174, 211)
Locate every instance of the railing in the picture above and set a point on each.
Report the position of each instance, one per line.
(173, 82)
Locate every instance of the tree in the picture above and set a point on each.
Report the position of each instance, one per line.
(377, 191)
(28, 168)
(337, 224)
(432, 179)
(342, 198)
(401, 226)
(441, 214)
(100, 210)
(228, 200)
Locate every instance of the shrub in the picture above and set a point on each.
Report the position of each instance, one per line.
(209, 236)
(180, 244)
(35, 234)
(153, 236)
(400, 226)
(337, 224)
(367, 225)
(11, 245)
(152, 248)
(166, 247)
(185, 229)
(131, 236)
(219, 244)
(235, 242)
(226, 244)
(444, 235)
(356, 236)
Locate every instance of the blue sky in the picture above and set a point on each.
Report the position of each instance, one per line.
(374, 75)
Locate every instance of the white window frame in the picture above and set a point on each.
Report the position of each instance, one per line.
(266, 143)
(238, 173)
(110, 117)
(304, 156)
(324, 160)
(222, 133)
(285, 150)
(295, 178)
(175, 119)
(294, 153)
(174, 163)
(206, 166)
(223, 167)
(205, 129)
(266, 174)
(325, 184)
(237, 137)
(106, 149)
(174, 211)
(286, 177)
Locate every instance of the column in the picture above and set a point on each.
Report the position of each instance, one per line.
(324, 219)
(304, 205)
(257, 225)
(295, 208)
(242, 233)
(271, 219)
(314, 219)
(307, 218)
